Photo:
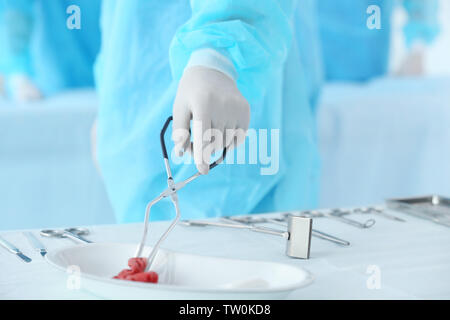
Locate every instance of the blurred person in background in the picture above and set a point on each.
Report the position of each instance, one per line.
(15, 35)
(353, 51)
(41, 53)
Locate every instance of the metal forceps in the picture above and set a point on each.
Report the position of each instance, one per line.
(282, 222)
(171, 192)
(377, 211)
(338, 215)
(71, 233)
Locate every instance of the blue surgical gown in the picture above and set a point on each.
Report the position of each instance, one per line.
(306, 33)
(55, 57)
(145, 47)
(353, 52)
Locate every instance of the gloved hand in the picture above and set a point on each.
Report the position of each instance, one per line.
(212, 100)
(23, 89)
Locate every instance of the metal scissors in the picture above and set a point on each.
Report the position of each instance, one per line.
(171, 192)
(71, 233)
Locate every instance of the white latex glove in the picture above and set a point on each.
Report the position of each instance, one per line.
(212, 100)
(23, 89)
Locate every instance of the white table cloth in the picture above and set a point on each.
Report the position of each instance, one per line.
(413, 258)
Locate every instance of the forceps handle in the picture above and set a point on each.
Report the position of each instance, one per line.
(326, 236)
(164, 149)
(243, 225)
(354, 223)
(388, 216)
(75, 237)
(315, 233)
(319, 234)
(238, 225)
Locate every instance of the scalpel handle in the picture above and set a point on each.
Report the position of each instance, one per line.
(11, 248)
(8, 246)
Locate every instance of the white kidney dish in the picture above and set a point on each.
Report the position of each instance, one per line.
(181, 276)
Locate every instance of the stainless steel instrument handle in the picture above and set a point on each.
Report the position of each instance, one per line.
(377, 211)
(237, 226)
(8, 246)
(354, 223)
(12, 249)
(37, 245)
(75, 237)
(212, 223)
(318, 234)
(329, 237)
(274, 232)
(281, 222)
(254, 228)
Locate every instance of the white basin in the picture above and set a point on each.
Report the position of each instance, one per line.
(181, 276)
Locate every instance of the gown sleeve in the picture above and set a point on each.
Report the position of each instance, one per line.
(255, 35)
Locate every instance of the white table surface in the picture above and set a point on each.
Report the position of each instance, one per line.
(413, 258)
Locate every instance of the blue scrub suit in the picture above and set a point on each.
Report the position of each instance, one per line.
(353, 52)
(145, 47)
(55, 57)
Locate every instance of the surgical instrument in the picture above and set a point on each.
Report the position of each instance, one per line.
(434, 208)
(11, 248)
(71, 233)
(298, 234)
(336, 214)
(171, 192)
(377, 211)
(282, 222)
(35, 243)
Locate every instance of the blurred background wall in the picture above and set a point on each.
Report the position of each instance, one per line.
(387, 138)
(47, 176)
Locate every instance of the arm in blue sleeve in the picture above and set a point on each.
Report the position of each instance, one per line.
(422, 21)
(255, 35)
(16, 22)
